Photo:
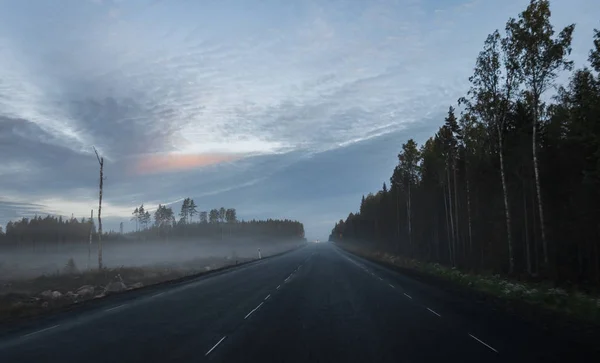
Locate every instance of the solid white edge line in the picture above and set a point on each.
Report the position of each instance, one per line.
(434, 312)
(407, 295)
(40, 331)
(213, 348)
(253, 310)
(115, 307)
(482, 342)
(160, 293)
(267, 298)
(392, 286)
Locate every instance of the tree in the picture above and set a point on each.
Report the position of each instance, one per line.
(230, 215)
(140, 215)
(222, 213)
(213, 216)
(468, 144)
(192, 209)
(409, 166)
(101, 162)
(204, 217)
(539, 58)
(493, 86)
(136, 215)
(185, 211)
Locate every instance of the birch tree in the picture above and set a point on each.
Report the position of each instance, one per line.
(539, 58)
(493, 86)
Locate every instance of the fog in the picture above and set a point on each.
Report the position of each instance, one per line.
(180, 254)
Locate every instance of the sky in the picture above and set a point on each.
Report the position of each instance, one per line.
(278, 108)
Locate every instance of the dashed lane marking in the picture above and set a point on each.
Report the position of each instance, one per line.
(214, 346)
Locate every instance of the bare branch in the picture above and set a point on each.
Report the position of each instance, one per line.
(98, 156)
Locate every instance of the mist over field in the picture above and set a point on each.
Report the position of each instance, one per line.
(179, 255)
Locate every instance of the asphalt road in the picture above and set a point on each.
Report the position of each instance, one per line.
(315, 304)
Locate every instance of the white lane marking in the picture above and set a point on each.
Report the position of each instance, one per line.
(434, 312)
(267, 298)
(213, 348)
(278, 286)
(250, 313)
(407, 295)
(482, 342)
(392, 286)
(380, 279)
(115, 307)
(40, 331)
(160, 293)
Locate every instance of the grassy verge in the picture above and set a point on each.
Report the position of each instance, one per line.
(570, 303)
(24, 298)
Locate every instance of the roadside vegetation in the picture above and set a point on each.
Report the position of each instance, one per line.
(47, 263)
(504, 197)
(571, 302)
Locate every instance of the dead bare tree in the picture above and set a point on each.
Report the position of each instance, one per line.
(90, 243)
(101, 162)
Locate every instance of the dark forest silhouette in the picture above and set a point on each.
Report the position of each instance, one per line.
(41, 233)
(511, 184)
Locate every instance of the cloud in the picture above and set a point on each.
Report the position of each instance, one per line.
(188, 98)
(174, 162)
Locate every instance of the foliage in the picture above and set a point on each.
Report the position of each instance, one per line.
(45, 233)
(475, 200)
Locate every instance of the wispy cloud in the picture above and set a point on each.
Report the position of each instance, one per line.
(199, 98)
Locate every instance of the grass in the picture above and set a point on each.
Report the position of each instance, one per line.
(572, 302)
(21, 298)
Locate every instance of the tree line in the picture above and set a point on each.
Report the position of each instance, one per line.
(42, 233)
(217, 222)
(511, 183)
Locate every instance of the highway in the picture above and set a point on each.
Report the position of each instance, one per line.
(314, 304)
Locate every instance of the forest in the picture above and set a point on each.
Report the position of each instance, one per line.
(41, 233)
(510, 182)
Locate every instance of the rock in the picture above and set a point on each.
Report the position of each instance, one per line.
(71, 295)
(46, 294)
(115, 287)
(99, 296)
(137, 285)
(56, 295)
(85, 290)
(45, 304)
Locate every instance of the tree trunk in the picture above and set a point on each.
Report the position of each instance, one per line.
(469, 215)
(448, 227)
(100, 215)
(456, 219)
(536, 254)
(408, 204)
(398, 218)
(511, 261)
(89, 263)
(451, 215)
(527, 244)
(537, 185)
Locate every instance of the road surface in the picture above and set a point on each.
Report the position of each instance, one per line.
(314, 304)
